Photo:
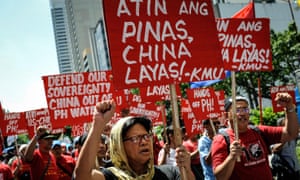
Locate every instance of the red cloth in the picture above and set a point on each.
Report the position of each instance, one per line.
(5, 172)
(191, 147)
(156, 148)
(24, 167)
(39, 163)
(75, 154)
(254, 162)
(68, 163)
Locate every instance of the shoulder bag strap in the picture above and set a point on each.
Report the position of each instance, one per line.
(64, 169)
(46, 168)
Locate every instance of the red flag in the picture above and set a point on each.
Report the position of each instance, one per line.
(1, 113)
(246, 12)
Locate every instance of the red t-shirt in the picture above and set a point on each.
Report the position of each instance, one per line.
(254, 162)
(191, 147)
(67, 163)
(5, 172)
(39, 163)
(24, 168)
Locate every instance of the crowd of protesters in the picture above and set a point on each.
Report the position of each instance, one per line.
(130, 150)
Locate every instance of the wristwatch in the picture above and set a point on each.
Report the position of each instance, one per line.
(290, 110)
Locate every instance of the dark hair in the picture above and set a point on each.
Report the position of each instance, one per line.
(104, 139)
(144, 121)
(170, 130)
(205, 122)
(82, 139)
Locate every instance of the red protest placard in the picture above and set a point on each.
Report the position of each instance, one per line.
(121, 98)
(13, 124)
(154, 93)
(245, 44)
(192, 125)
(162, 41)
(71, 98)
(36, 118)
(221, 100)
(276, 89)
(149, 110)
(204, 102)
(78, 130)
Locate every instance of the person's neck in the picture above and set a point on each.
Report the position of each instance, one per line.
(44, 151)
(139, 170)
(240, 130)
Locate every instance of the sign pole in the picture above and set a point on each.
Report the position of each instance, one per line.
(176, 125)
(233, 98)
(260, 101)
(163, 116)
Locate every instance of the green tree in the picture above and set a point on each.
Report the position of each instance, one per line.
(268, 116)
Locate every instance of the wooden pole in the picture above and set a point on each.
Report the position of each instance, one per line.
(260, 101)
(292, 14)
(233, 105)
(212, 126)
(176, 125)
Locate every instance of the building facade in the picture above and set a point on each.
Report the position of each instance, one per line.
(79, 17)
(62, 36)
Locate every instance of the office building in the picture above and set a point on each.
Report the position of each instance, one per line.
(72, 20)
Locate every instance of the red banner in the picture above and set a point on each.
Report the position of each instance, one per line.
(221, 100)
(276, 89)
(154, 93)
(204, 102)
(245, 44)
(14, 124)
(162, 41)
(40, 117)
(149, 110)
(192, 125)
(71, 98)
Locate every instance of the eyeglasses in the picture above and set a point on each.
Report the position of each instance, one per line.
(138, 138)
(242, 110)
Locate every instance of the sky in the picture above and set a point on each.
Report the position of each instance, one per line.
(27, 52)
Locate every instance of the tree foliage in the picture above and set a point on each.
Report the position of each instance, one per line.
(268, 116)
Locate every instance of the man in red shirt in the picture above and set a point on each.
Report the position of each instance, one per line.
(20, 168)
(5, 171)
(65, 163)
(247, 157)
(41, 160)
(191, 145)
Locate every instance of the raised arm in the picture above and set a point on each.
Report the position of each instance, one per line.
(84, 169)
(28, 156)
(290, 129)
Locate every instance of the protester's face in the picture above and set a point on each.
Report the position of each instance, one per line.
(138, 152)
(45, 144)
(102, 149)
(209, 127)
(57, 151)
(242, 115)
(64, 148)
